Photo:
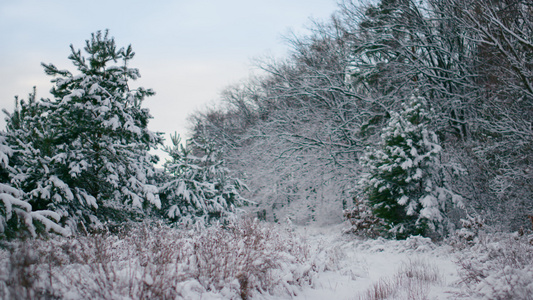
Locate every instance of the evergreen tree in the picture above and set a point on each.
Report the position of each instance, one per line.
(16, 215)
(198, 182)
(85, 152)
(404, 184)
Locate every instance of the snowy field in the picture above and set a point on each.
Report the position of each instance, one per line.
(253, 260)
(354, 267)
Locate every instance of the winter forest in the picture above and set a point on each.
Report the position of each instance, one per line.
(389, 156)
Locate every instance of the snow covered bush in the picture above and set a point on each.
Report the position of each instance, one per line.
(405, 185)
(498, 266)
(84, 154)
(198, 184)
(469, 233)
(363, 221)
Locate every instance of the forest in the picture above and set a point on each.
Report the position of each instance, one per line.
(420, 111)
(404, 120)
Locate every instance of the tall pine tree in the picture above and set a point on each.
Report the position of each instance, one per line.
(85, 152)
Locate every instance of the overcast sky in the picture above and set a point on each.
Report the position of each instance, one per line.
(186, 50)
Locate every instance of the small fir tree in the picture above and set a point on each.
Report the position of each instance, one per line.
(85, 153)
(198, 182)
(404, 185)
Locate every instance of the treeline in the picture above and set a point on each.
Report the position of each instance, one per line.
(418, 111)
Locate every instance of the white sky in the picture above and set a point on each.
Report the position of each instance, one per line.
(186, 50)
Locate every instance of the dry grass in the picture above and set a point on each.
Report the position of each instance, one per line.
(383, 289)
(412, 282)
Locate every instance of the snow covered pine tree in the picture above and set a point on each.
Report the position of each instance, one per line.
(16, 215)
(404, 184)
(85, 153)
(198, 184)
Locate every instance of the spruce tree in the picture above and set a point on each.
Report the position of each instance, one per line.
(85, 153)
(198, 183)
(404, 185)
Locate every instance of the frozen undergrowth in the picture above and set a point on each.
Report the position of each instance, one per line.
(236, 261)
(480, 265)
(368, 269)
(253, 260)
(498, 266)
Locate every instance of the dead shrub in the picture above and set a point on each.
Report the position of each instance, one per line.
(247, 251)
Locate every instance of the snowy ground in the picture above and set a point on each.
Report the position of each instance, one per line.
(254, 260)
(348, 267)
(353, 266)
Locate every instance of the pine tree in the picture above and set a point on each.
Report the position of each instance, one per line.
(199, 184)
(16, 215)
(85, 152)
(404, 184)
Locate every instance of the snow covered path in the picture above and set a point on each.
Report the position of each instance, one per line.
(353, 266)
